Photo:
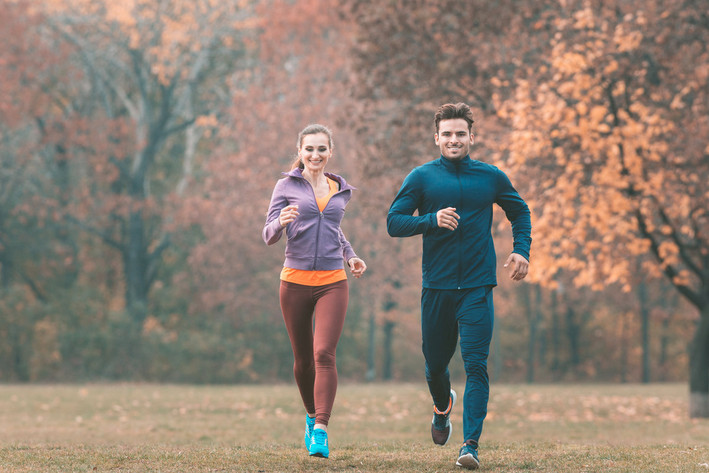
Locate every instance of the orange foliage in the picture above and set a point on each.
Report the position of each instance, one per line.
(604, 110)
(295, 83)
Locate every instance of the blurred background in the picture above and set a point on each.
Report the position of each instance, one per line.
(140, 141)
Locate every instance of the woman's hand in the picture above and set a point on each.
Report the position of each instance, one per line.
(288, 214)
(357, 266)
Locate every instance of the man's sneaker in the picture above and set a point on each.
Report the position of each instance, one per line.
(441, 427)
(468, 456)
(318, 444)
(309, 424)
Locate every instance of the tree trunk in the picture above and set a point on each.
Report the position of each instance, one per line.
(623, 348)
(645, 330)
(555, 336)
(371, 349)
(699, 368)
(388, 353)
(533, 321)
(573, 332)
(5, 273)
(135, 262)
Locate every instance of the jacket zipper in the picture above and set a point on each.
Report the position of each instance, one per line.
(317, 231)
(460, 233)
(320, 217)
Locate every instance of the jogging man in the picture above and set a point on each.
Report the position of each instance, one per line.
(453, 196)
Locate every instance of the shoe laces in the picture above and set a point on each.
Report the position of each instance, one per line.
(320, 437)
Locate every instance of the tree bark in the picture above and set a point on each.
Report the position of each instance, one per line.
(555, 336)
(135, 267)
(645, 330)
(388, 353)
(531, 319)
(699, 368)
(371, 348)
(573, 332)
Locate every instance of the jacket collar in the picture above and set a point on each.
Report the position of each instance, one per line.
(298, 173)
(453, 165)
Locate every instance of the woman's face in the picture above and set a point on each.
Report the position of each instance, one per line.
(315, 151)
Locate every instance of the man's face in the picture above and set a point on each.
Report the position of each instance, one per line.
(454, 138)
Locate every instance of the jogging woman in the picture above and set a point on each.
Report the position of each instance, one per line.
(308, 205)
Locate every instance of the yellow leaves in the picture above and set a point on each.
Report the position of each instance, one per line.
(610, 68)
(582, 108)
(619, 88)
(560, 155)
(683, 278)
(570, 63)
(207, 121)
(57, 6)
(584, 19)
(666, 230)
(668, 252)
(678, 100)
(121, 13)
(640, 246)
(166, 33)
(626, 41)
(598, 113)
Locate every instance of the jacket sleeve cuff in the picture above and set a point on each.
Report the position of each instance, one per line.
(432, 220)
(272, 232)
(349, 254)
(521, 253)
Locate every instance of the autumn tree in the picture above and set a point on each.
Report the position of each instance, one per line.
(154, 83)
(298, 78)
(37, 255)
(409, 58)
(610, 128)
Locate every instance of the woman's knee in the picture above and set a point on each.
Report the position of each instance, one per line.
(303, 366)
(324, 358)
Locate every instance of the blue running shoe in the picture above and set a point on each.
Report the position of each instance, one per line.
(468, 456)
(441, 428)
(309, 424)
(318, 444)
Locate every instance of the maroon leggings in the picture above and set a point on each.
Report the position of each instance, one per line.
(314, 317)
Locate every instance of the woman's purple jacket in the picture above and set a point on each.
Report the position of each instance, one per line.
(315, 241)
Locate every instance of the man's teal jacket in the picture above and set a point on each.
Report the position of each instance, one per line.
(464, 257)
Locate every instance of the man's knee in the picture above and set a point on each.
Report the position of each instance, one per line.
(434, 371)
(475, 365)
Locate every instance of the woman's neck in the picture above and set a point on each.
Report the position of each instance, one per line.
(314, 178)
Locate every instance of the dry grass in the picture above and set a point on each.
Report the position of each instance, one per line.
(380, 427)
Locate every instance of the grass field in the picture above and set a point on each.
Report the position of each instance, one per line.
(374, 427)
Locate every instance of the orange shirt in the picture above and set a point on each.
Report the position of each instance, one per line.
(316, 278)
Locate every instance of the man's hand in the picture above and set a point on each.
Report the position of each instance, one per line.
(447, 218)
(520, 266)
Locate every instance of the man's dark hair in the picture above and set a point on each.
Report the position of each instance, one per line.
(451, 111)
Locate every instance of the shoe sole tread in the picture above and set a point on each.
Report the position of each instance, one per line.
(468, 461)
